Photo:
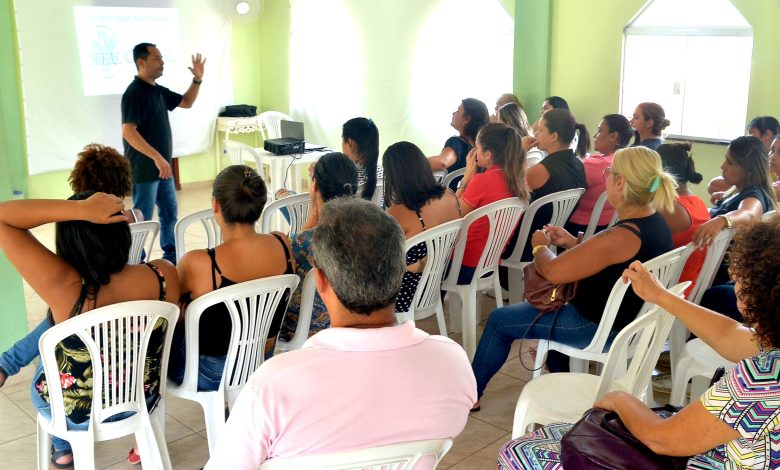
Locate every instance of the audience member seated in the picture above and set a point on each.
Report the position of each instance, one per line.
(774, 165)
(366, 381)
(733, 425)
(689, 210)
(98, 168)
(513, 116)
(360, 142)
(765, 128)
(614, 133)
(239, 195)
(88, 271)
(550, 103)
(745, 167)
(333, 176)
(649, 120)
(637, 187)
(500, 153)
(468, 119)
(418, 203)
(502, 100)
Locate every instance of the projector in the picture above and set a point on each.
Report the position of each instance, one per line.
(284, 146)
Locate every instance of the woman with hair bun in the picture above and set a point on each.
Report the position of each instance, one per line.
(649, 120)
(360, 142)
(239, 196)
(637, 187)
(689, 210)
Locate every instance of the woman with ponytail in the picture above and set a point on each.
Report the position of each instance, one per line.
(333, 176)
(499, 152)
(637, 187)
(360, 142)
(648, 121)
(239, 196)
(689, 210)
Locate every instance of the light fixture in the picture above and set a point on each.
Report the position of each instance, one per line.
(242, 8)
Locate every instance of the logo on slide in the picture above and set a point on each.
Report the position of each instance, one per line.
(104, 55)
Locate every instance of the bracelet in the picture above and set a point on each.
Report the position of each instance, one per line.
(729, 223)
(197, 82)
(537, 248)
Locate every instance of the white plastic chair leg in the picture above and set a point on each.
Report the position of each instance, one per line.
(440, 320)
(456, 312)
(159, 444)
(469, 322)
(578, 365)
(497, 291)
(699, 385)
(541, 358)
(521, 424)
(214, 413)
(44, 448)
(677, 337)
(83, 453)
(680, 381)
(516, 286)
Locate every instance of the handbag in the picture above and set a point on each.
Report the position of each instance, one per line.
(542, 294)
(600, 440)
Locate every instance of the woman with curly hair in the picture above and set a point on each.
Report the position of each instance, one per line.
(733, 425)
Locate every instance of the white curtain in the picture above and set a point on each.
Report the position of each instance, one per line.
(60, 119)
(406, 64)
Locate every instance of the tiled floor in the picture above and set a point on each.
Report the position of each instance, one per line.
(475, 448)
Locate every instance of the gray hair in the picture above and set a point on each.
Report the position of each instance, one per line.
(360, 250)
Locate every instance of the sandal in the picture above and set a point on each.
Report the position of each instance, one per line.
(133, 458)
(57, 454)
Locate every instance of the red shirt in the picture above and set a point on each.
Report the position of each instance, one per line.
(699, 214)
(483, 189)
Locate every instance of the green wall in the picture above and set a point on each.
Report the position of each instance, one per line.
(586, 54)
(13, 314)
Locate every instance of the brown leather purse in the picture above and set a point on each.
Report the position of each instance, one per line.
(542, 294)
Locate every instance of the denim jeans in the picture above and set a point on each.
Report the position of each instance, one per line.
(25, 350)
(162, 193)
(509, 323)
(209, 369)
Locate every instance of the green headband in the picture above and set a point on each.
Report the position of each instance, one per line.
(655, 183)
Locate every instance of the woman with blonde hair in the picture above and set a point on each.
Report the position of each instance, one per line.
(637, 187)
(513, 116)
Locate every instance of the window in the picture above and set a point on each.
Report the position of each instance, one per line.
(693, 58)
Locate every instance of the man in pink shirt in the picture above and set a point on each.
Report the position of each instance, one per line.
(366, 381)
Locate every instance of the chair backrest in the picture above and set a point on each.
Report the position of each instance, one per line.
(379, 193)
(240, 153)
(143, 235)
(389, 457)
(439, 241)
(598, 208)
(768, 215)
(117, 337)
(712, 260)
(662, 267)
(453, 175)
(502, 217)
(645, 336)
(298, 207)
(252, 306)
(213, 233)
(439, 176)
(270, 124)
(302, 327)
(533, 158)
(563, 204)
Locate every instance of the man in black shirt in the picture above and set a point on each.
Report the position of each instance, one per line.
(146, 133)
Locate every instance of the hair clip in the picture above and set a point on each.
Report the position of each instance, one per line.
(655, 183)
(247, 172)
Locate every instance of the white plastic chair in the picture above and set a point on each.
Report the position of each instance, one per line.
(308, 291)
(240, 154)
(563, 204)
(117, 337)
(298, 206)
(709, 268)
(270, 124)
(768, 215)
(378, 197)
(439, 241)
(663, 267)
(143, 235)
(439, 176)
(502, 216)
(533, 157)
(403, 456)
(598, 208)
(453, 175)
(252, 305)
(208, 222)
(565, 396)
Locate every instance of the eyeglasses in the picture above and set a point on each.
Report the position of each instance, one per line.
(608, 171)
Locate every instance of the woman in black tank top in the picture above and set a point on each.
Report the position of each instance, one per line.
(244, 255)
(636, 187)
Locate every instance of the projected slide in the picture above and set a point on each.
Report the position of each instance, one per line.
(106, 36)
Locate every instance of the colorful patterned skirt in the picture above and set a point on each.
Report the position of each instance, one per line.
(540, 449)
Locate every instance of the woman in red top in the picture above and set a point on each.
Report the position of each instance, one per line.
(689, 210)
(499, 152)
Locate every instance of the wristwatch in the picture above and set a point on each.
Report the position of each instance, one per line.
(729, 224)
(197, 82)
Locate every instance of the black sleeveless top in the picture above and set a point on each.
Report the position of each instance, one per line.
(215, 325)
(593, 291)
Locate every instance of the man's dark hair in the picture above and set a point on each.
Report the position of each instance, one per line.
(141, 51)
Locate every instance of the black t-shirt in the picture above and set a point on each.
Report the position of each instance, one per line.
(732, 203)
(462, 149)
(147, 106)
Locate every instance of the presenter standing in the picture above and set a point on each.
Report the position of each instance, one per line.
(146, 133)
